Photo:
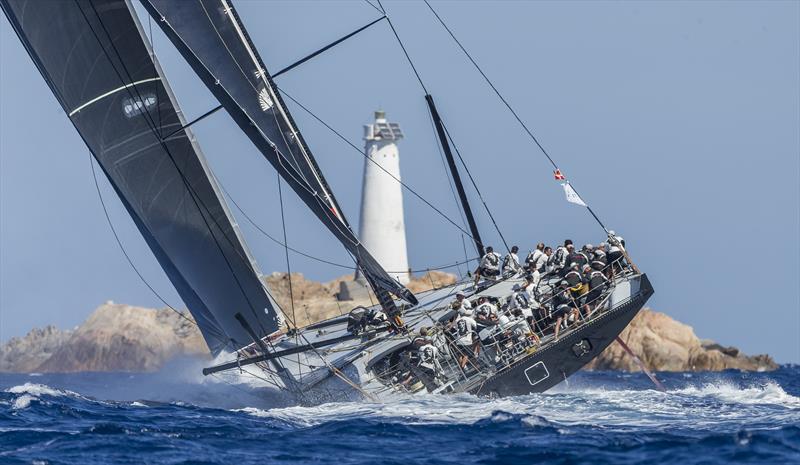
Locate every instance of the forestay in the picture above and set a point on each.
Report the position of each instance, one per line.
(211, 37)
(98, 64)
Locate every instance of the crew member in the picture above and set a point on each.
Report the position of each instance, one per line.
(489, 266)
(563, 307)
(511, 264)
(537, 259)
(597, 282)
(560, 256)
(466, 338)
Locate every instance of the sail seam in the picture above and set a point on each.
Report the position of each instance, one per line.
(111, 92)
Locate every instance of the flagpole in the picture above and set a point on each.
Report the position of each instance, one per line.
(568, 186)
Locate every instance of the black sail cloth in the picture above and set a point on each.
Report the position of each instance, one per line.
(210, 36)
(95, 60)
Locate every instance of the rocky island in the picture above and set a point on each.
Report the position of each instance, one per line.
(119, 337)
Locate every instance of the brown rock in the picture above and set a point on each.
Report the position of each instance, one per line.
(125, 338)
(314, 301)
(25, 354)
(664, 344)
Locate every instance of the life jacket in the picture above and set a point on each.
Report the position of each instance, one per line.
(574, 278)
(427, 355)
(511, 261)
(521, 299)
(577, 257)
(596, 279)
(492, 259)
(560, 260)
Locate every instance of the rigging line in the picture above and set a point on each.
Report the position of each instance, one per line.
(152, 50)
(408, 57)
(279, 104)
(347, 141)
(270, 85)
(452, 189)
(488, 81)
(288, 271)
(475, 185)
(413, 67)
(187, 125)
(149, 120)
(447, 175)
(286, 249)
(379, 10)
(312, 257)
(505, 102)
(128, 257)
(272, 238)
(325, 48)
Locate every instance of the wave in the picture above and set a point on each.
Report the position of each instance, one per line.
(769, 393)
(690, 406)
(30, 392)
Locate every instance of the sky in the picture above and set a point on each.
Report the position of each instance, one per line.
(676, 121)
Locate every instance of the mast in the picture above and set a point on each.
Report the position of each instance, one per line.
(213, 40)
(473, 227)
(116, 97)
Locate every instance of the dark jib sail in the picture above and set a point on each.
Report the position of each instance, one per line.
(211, 37)
(99, 66)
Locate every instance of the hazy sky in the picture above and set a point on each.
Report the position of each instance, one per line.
(677, 121)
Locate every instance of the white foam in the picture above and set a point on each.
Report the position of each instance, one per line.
(37, 390)
(769, 393)
(23, 401)
(691, 407)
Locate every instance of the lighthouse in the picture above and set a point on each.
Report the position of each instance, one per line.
(382, 228)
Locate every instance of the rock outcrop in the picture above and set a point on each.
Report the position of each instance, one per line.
(315, 301)
(26, 354)
(121, 338)
(664, 344)
(126, 338)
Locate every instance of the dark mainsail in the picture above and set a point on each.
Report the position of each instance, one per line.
(210, 36)
(98, 64)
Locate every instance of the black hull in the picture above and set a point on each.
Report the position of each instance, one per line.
(552, 365)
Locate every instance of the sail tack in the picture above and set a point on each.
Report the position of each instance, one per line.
(211, 37)
(99, 66)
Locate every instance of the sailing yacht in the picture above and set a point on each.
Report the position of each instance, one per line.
(99, 64)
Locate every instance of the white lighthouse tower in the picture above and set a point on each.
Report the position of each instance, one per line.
(382, 228)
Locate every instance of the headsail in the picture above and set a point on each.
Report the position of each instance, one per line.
(211, 37)
(98, 64)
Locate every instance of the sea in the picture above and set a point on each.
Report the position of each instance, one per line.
(178, 417)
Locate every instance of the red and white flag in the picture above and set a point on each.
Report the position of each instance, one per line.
(558, 175)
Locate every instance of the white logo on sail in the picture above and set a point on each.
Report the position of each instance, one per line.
(264, 99)
(135, 106)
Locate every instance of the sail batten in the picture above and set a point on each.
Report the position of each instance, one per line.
(115, 94)
(211, 37)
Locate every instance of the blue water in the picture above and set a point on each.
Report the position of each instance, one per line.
(178, 417)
